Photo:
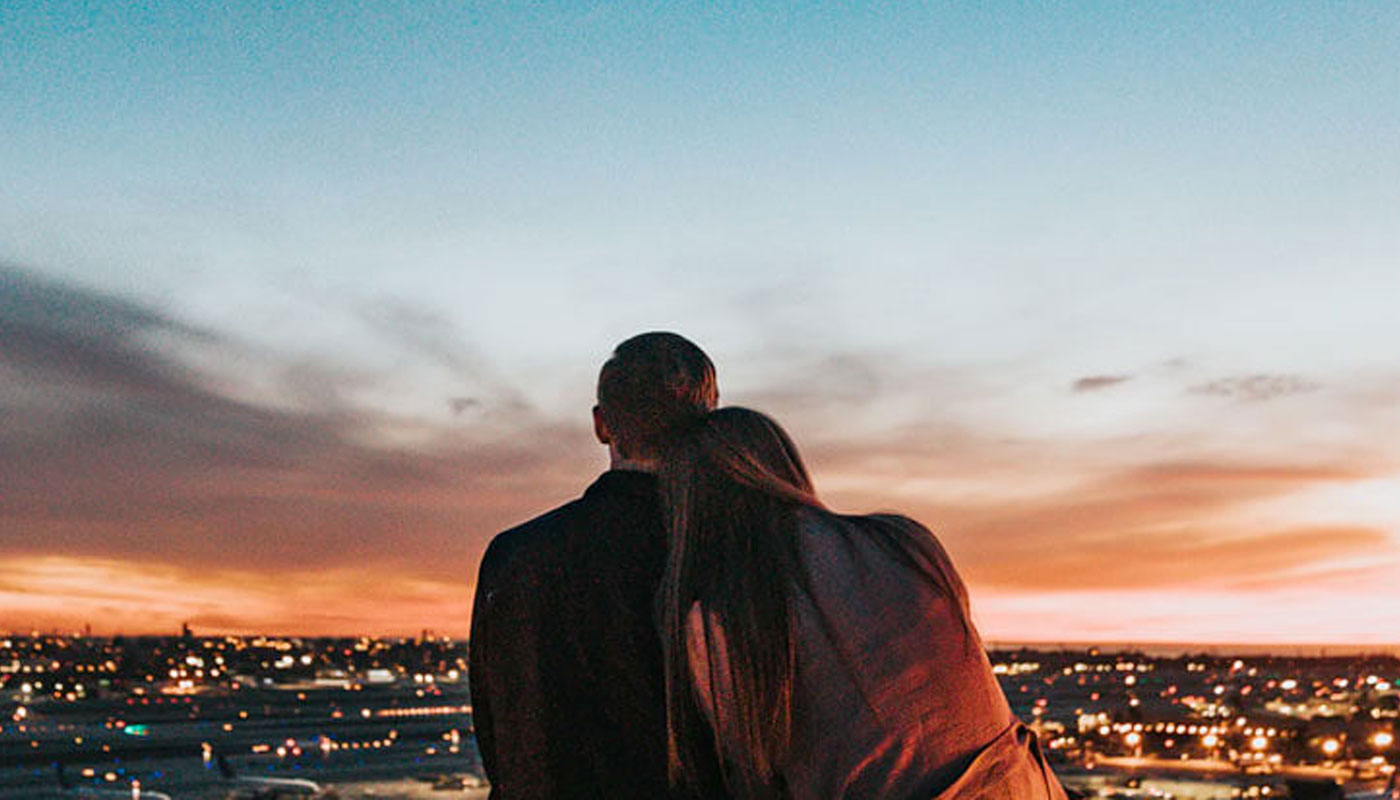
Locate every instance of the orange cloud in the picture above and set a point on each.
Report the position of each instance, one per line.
(1184, 559)
(137, 492)
(1174, 524)
(116, 596)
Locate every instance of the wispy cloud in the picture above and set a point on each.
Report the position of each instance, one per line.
(85, 336)
(1165, 525)
(137, 479)
(430, 336)
(1256, 388)
(117, 448)
(1094, 383)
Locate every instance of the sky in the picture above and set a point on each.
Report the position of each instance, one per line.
(300, 303)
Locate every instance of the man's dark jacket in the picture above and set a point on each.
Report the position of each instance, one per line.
(566, 665)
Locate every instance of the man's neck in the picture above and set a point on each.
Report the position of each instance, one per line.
(617, 461)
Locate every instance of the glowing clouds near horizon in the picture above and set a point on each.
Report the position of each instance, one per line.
(144, 486)
(119, 596)
(1060, 546)
(1364, 612)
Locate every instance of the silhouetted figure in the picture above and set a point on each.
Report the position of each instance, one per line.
(566, 671)
(822, 655)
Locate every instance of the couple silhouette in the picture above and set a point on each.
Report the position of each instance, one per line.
(698, 624)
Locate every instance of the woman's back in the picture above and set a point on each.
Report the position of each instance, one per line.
(832, 655)
(893, 695)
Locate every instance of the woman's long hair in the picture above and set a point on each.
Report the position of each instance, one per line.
(731, 487)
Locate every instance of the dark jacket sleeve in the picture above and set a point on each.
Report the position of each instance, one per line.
(482, 720)
(505, 683)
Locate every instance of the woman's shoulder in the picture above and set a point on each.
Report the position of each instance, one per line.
(898, 521)
(893, 538)
(899, 527)
(868, 532)
(824, 516)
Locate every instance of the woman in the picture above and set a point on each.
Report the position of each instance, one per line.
(819, 655)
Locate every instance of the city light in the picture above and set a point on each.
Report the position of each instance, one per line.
(369, 698)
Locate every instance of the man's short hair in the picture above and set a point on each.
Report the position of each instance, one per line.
(653, 383)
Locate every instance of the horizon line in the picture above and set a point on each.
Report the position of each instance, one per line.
(1043, 645)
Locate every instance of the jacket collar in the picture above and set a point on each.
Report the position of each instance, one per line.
(624, 481)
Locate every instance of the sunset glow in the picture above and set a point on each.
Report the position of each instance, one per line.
(297, 313)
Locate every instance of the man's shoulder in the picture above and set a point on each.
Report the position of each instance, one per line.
(558, 530)
(530, 541)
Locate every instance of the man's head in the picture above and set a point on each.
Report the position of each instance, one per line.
(652, 383)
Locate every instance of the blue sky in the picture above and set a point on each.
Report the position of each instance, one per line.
(1024, 251)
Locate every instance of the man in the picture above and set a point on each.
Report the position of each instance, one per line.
(566, 669)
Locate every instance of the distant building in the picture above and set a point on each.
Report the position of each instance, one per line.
(379, 676)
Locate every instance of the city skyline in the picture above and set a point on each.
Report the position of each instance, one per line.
(189, 715)
(300, 307)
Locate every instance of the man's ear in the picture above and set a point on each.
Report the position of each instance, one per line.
(600, 428)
